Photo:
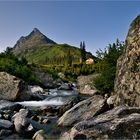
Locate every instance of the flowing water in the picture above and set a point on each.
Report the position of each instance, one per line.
(54, 98)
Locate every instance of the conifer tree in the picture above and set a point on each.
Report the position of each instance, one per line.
(83, 52)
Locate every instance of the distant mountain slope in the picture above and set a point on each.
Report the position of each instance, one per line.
(37, 48)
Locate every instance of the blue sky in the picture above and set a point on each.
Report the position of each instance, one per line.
(98, 23)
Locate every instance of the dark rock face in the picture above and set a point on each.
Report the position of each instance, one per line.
(127, 84)
(46, 79)
(84, 110)
(33, 39)
(11, 88)
(119, 123)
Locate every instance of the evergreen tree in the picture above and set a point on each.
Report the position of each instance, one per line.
(83, 52)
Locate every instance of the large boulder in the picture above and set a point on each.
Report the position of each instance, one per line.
(119, 123)
(47, 79)
(85, 84)
(12, 88)
(127, 83)
(84, 110)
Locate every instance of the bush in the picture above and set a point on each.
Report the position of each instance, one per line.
(19, 68)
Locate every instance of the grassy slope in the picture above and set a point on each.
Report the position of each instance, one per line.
(38, 54)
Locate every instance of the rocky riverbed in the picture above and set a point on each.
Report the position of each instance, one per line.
(63, 114)
(21, 120)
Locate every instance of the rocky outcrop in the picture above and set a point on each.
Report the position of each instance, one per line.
(119, 123)
(47, 79)
(11, 88)
(86, 84)
(127, 83)
(84, 110)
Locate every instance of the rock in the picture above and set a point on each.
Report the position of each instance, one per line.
(5, 124)
(4, 104)
(39, 135)
(111, 101)
(36, 89)
(5, 133)
(48, 109)
(10, 106)
(68, 105)
(127, 83)
(119, 123)
(65, 86)
(46, 79)
(61, 75)
(46, 121)
(20, 120)
(35, 118)
(84, 110)
(86, 84)
(36, 92)
(11, 88)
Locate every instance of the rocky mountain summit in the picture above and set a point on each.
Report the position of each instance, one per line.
(33, 39)
(127, 84)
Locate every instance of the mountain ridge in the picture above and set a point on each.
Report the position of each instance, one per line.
(38, 48)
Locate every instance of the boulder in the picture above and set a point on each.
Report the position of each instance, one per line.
(47, 79)
(39, 135)
(5, 124)
(11, 88)
(36, 93)
(127, 83)
(84, 110)
(20, 120)
(85, 84)
(119, 123)
(68, 105)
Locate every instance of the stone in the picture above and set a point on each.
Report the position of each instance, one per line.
(39, 135)
(68, 105)
(46, 79)
(36, 93)
(11, 88)
(61, 75)
(5, 133)
(85, 84)
(5, 124)
(46, 121)
(65, 86)
(84, 110)
(127, 83)
(122, 122)
(20, 120)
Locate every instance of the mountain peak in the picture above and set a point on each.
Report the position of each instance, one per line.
(36, 30)
(35, 38)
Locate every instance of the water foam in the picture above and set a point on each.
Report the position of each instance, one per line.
(41, 103)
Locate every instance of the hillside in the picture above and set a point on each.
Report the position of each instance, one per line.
(37, 48)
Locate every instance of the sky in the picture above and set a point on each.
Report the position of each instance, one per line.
(98, 23)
